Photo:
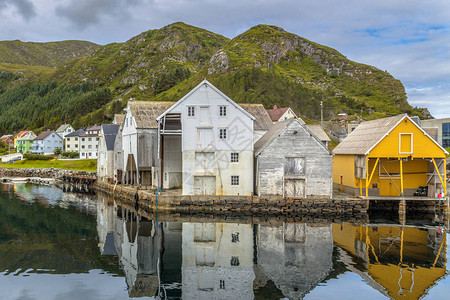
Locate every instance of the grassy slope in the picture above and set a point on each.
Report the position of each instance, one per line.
(88, 165)
(50, 54)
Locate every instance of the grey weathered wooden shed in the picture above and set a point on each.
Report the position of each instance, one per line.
(291, 161)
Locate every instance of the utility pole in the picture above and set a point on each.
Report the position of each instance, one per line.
(321, 113)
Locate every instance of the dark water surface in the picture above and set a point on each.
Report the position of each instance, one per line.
(56, 245)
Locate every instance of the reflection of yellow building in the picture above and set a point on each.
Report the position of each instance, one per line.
(389, 157)
(405, 261)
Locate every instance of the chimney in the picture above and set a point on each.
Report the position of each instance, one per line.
(275, 107)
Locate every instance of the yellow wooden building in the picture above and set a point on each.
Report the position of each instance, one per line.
(400, 262)
(389, 157)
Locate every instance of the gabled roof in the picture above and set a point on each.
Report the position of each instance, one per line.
(432, 132)
(62, 128)
(262, 119)
(276, 113)
(318, 131)
(94, 128)
(368, 134)
(44, 135)
(118, 119)
(277, 129)
(22, 133)
(76, 133)
(146, 112)
(110, 133)
(208, 84)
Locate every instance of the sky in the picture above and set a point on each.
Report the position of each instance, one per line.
(408, 38)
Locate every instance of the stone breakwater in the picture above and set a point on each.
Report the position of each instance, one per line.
(233, 204)
(42, 173)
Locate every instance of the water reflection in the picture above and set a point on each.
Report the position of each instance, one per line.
(219, 260)
(47, 236)
(402, 262)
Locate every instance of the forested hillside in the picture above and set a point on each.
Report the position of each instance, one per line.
(265, 65)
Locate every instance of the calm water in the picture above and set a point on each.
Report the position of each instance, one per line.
(57, 245)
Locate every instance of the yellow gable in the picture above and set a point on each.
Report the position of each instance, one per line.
(406, 140)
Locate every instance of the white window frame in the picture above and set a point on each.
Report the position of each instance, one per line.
(222, 133)
(400, 143)
(222, 110)
(191, 111)
(235, 180)
(234, 157)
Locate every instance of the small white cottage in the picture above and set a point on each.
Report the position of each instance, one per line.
(292, 162)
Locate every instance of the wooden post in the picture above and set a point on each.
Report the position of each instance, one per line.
(401, 177)
(360, 187)
(439, 174)
(367, 177)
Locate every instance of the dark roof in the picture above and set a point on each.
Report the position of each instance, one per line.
(44, 135)
(276, 113)
(262, 119)
(432, 132)
(76, 133)
(110, 133)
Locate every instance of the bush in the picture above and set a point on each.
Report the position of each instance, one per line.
(31, 156)
(70, 154)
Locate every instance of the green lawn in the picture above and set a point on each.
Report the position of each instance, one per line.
(89, 165)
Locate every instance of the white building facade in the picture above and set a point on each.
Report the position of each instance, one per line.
(206, 144)
(89, 143)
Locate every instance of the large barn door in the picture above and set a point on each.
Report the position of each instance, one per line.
(294, 188)
(204, 185)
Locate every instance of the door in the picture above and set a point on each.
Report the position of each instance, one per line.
(204, 185)
(294, 188)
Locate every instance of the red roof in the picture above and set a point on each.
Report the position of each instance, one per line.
(276, 113)
(21, 133)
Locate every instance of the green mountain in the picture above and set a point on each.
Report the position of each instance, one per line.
(50, 54)
(263, 65)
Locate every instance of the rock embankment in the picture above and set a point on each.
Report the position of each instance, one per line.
(42, 173)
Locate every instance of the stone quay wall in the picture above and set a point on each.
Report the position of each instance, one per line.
(42, 173)
(233, 204)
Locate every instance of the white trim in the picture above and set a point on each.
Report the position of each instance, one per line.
(423, 131)
(400, 143)
(208, 84)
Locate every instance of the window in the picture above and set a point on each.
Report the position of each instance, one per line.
(97, 139)
(222, 111)
(222, 284)
(222, 133)
(234, 261)
(446, 135)
(68, 139)
(76, 139)
(89, 139)
(90, 154)
(405, 143)
(234, 180)
(82, 147)
(76, 145)
(68, 146)
(90, 146)
(191, 111)
(235, 237)
(53, 135)
(294, 166)
(82, 139)
(235, 157)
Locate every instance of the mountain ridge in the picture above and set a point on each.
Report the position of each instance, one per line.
(265, 64)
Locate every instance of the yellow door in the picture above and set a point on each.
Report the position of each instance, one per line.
(389, 187)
